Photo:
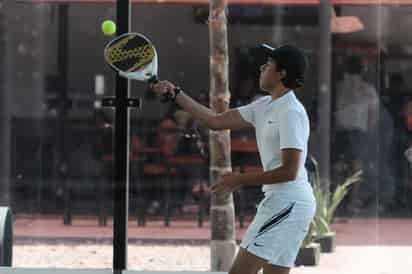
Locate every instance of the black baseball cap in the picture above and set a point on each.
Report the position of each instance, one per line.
(289, 58)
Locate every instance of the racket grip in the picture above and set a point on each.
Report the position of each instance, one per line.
(167, 96)
(170, 96)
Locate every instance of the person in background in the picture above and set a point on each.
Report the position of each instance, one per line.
(356, 119)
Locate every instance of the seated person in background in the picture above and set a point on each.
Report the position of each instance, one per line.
(407, 110)
(200, 134)
(193, 178)
(136, 146)
(175, 137)
(165, 139)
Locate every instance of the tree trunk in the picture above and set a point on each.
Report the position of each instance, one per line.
(223, 244)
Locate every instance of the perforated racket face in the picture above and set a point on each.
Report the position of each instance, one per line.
(131, 54)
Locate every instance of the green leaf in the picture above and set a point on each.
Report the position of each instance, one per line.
(324, 212)
(323, 225)
(309, 235)
(326, 202)
(340, 193)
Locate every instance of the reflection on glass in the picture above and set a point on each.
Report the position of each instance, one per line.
(57, 139)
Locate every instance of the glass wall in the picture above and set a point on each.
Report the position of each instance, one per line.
(57, 137)
(58, 166)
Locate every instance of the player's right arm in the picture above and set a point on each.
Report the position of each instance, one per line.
(230, 119)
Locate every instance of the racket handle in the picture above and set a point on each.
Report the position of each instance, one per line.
(170, 96)
(166, 96)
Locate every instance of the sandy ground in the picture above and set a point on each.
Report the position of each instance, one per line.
(141, 257)
(346, 259)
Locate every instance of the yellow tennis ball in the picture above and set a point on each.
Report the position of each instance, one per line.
(108, 27)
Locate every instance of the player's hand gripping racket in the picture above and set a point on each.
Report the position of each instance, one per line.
(132, 56)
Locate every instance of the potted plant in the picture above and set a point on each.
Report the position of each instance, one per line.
(326, 205)
(309, 253)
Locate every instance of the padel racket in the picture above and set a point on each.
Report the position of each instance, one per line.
(132, 56)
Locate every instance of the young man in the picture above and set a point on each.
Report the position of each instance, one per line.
(273, 239)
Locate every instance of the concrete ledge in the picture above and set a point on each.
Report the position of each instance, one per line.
(171, 272)
(12, 270)
(6, 237)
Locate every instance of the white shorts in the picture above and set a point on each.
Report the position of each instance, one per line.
(278, 229)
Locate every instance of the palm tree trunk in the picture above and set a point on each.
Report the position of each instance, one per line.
(223, 244)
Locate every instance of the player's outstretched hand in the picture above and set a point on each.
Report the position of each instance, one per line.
(162, 87)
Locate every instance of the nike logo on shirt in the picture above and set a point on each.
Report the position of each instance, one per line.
(256, 244)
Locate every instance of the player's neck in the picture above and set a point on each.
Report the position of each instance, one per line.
(279, 91)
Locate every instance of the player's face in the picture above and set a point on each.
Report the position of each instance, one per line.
(269, 76)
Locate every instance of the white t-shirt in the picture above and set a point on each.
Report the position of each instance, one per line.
(355, 99)
(279, 124)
